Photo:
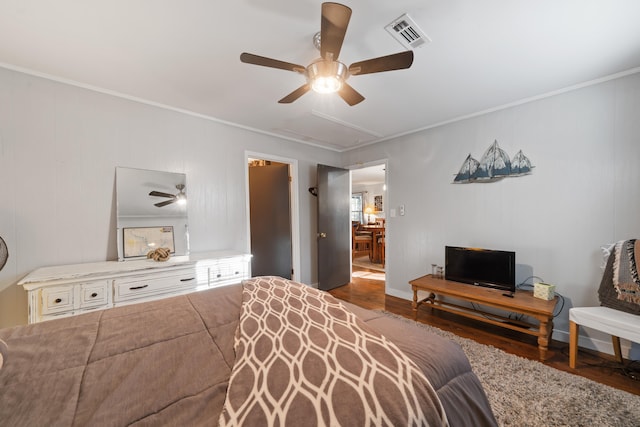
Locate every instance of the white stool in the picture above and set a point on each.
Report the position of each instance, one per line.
(618, 324)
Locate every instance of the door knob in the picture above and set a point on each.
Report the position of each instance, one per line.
(322, 235)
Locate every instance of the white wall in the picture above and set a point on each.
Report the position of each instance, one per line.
(584, 191)
(59, 147)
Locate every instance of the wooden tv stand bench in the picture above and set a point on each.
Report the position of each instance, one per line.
(522, 302)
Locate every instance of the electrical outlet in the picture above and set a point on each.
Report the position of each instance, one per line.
(401, 210)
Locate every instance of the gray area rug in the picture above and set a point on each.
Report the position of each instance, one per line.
(524, 392)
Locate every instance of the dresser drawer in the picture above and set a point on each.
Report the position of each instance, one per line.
(227, 272)
(94, 294)
(154, 284)
(57, 299)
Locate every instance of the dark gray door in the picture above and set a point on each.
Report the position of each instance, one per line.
(334, 232)
(270, 215)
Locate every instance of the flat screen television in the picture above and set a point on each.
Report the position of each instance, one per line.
(481, 267)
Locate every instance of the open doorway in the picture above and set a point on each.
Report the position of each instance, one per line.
(273, 216)
(368, 218)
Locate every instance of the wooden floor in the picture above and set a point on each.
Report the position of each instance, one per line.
(595, 366)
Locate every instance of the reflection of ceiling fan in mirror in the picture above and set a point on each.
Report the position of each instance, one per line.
(327, 74)
(179, 198)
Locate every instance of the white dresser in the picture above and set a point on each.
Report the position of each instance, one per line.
(68, 290)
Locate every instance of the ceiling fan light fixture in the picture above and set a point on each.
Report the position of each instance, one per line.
(181, 198)
(326, 84)
(327, 76)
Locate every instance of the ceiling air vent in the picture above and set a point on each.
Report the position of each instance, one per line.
(407, 32)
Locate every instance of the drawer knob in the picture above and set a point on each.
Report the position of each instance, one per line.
(93, 295)
(219, 275)
(58, 300)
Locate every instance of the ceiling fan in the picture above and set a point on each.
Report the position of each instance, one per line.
(180, 198)
(327, 74)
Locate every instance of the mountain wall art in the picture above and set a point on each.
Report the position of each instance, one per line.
(493, 166)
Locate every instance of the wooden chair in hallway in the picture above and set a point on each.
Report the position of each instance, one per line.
(380, 242)
(381, 248)
(360, 242)
(360, 231)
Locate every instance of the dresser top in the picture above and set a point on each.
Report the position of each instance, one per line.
(93, 270)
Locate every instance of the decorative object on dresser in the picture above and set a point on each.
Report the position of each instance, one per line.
(160, 254)
(68, 290)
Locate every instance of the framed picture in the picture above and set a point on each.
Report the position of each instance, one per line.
(139, 241)
(377, 203)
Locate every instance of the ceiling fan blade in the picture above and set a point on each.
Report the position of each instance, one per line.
(160, 194)
(165, 203)
(350, 95)
(397, 61)
(249, 58)
(295, 94)
(333, 27)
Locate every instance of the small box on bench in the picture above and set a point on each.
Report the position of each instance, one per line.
(544, 291)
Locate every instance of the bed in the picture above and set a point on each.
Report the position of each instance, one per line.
(266, 352)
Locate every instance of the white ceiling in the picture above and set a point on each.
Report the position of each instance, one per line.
(185, 55)
(370, 175)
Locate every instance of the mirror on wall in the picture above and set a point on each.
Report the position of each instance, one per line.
(151, 212)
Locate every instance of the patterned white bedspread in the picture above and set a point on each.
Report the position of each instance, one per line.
(302, 358)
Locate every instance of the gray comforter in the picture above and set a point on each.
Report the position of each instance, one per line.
(168, 362)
